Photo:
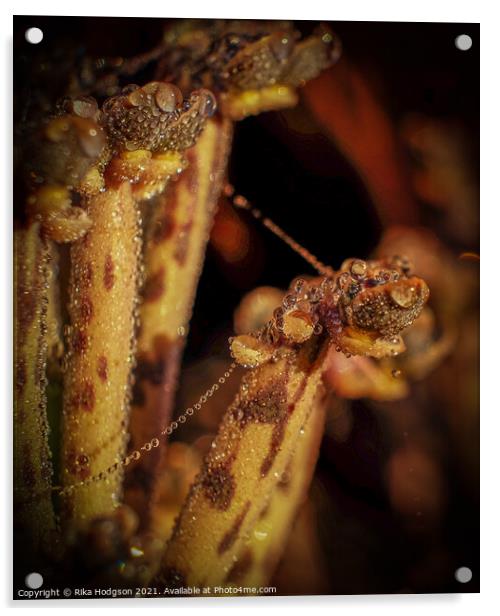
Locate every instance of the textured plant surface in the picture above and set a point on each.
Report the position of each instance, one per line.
(359, 311)
(118, 186)
(32, 463)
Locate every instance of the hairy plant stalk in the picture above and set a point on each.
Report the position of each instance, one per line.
(32, 459)
(261, 554)
(103, 292)
(174, 254)
(258, 435)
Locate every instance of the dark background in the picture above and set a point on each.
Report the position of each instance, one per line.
(308, 186)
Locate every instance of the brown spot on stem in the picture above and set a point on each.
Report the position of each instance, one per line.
(157, 368)
(163, 228)
(87, 397)
(154, 286)
(146, 370)
(264, 511)
(84, 398)
(279, 430)
(240, 567)
(264, 406)
(79, 465)
(232, 534)
(102, 368)
(80, 342)
(276, 440)
(86, 309)
(218, 486)
(109, 273)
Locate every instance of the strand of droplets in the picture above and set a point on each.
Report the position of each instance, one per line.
(239, 202)
(154, 442)
(243, 204)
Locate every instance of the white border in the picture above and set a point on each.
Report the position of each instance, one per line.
(367, 10)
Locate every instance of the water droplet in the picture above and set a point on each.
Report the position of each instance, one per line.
(260, 534)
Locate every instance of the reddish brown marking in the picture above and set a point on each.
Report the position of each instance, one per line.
(80, 342)
(267, 405)
(84, 398)
(163, 228)
(151, 371)
(109, 273)
(86, 309)
(276, 440)
(87, 397)
(240, 567)
(218, 486)
(154, 286)
(102, 368)
(280, 427)
(232, 534)
(264, 511)
(78, 465)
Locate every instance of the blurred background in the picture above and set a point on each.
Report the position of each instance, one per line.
(380, 156)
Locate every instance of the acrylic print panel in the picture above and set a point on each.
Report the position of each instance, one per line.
(246, 308)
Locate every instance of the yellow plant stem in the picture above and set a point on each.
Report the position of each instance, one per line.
(262, 552)
(32, 464)
(102, 301)
(259, 433)
(174, 253)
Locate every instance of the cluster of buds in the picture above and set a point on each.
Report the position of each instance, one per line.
(362, 309)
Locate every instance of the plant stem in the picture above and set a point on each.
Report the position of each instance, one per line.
(174, 254)
(103, 292)
(260, 555)
(258, 435)
(32, 464)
